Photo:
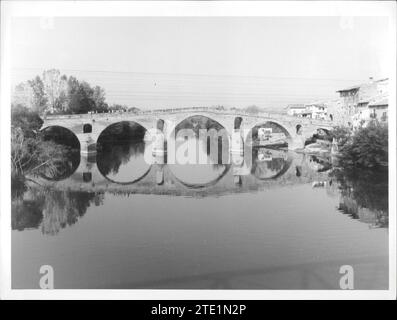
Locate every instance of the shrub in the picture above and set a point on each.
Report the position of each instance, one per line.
(367, 148)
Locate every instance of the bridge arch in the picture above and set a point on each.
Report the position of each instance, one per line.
(214, 129)
(227, 125)
(123, 125)
(66, 166)
(123, 149)
(317, 133)
(280, 128)
(237, 123)
(57, 135)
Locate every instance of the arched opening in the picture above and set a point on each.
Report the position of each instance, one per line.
(268, 134)
(298, 129)
(87, 128)
(320, 137)
(66, 158)
(237, 123)
(122, 152)
(160, 125)
(201, 155)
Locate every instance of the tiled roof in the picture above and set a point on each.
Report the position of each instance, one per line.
(296, 106)
(382, 102)
(350, 88)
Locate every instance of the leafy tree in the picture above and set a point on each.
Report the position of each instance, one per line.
(56, 93)
(368, 148)
(253, 109)
(25, 119)
(341, 134)
(118, 107)
(86, 101)
(98, 96)
(54, 88)
(39, 97)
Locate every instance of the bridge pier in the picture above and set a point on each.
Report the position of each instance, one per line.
(158, 147)
(88, 172)
(237, 145)
(88, 144)
(297, 143)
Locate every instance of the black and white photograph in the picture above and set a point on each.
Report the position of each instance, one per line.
(198, 149)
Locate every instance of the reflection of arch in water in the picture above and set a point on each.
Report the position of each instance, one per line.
(117, 143)
(276, 128)
(200, 185)
(110, 161)
(67, 138)
(286, 165)
(129, 182)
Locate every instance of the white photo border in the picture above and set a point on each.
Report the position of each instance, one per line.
(179, 9)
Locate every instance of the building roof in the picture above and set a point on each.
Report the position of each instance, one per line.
(350, 88)
(361, 85)
(384, 79)
(382, 102)
(296, 106)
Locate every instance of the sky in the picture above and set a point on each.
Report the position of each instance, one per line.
(154, 62)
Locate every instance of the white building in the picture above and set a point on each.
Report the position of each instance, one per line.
(317, 110)
(296, 109)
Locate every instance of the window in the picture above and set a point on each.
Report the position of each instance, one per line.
(384, 116)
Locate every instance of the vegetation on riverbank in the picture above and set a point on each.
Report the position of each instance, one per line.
(31, 154)
(366, 148)
(362, 169)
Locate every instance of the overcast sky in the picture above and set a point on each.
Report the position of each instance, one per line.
(167, 61)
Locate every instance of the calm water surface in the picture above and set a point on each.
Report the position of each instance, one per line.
(117, 222)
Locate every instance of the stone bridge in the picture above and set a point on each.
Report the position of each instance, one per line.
(88, 127)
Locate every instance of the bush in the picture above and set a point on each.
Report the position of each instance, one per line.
(30, 154)
(341, 134)
(367, 148)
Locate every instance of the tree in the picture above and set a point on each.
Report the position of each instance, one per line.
(99, 99)
(26, 119)
(73, 93)
(368, 148)
(39, 98)
(56, 93)
(86, 93)
(253, 109)
(30, 154)
(23, 95)
(54, 84)
(118, 107)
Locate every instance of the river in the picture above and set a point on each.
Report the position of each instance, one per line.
(278, 221)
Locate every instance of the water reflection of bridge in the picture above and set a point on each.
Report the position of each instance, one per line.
(160, 179)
